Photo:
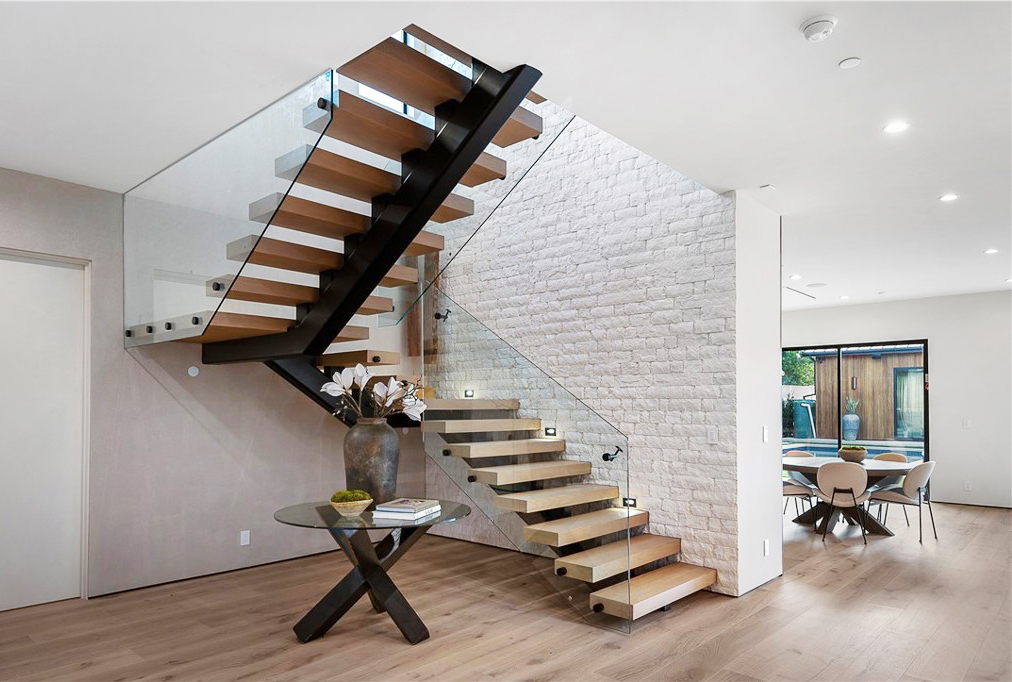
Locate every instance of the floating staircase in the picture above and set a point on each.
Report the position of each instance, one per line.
(321, 261)
(624, 571)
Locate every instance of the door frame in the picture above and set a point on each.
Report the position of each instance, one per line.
(85, 266)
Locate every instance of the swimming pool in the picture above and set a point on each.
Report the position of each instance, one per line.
(824, 447)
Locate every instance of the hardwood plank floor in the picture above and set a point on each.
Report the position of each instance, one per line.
(891, 610)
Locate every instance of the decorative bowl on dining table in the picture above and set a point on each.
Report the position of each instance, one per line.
(853, 453)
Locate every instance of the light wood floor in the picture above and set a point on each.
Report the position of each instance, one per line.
(894, 610)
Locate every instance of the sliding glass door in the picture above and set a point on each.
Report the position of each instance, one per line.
(874, 395)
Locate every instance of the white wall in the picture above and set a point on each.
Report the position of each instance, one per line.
(969, 376)
(179, 464)
(757, 387)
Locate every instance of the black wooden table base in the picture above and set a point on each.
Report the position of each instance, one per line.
(368, 576)
(819, 514)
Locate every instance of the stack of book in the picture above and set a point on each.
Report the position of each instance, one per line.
(406, 509)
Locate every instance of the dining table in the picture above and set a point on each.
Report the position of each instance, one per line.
(819, 516)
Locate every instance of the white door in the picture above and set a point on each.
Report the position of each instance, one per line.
(42, 313)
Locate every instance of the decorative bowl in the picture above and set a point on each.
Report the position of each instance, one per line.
(351, 508)
(856, 456)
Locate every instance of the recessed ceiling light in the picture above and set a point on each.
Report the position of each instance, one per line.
(795, 276)
(896, 127)
(948, 197)
(815, 285)
(844, 298)
(849, 63)
(991, 252)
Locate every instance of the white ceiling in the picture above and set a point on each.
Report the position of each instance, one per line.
(727, 93)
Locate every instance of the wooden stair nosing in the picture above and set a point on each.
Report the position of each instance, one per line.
(479, 425)
(339, 174)
(531, 471)
(617, 557)
(504, 448)
(554, 498)
(472, 404)
(561, 532)
(410, 76)
(647, 592)
(303, 215)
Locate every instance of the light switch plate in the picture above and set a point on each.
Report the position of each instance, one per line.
(967, 423)
(243, 538)
(766, 434)
(711, 434)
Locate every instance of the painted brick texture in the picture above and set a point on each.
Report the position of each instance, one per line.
(615, 276)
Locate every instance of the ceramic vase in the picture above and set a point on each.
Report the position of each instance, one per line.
(371, 455)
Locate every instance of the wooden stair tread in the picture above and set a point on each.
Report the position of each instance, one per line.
(553, 498)
(338, 174)
(472, 404)
(479, 425)
(504, 448)
(406, 74)
(632, 599)
(283, 255)
(226, 326)
(581, 527)
(387, 133)
(617, 557)
(530, 471)
(258, 290)
(311, 217)
(354, 357)
(277, 253)
(455, 52)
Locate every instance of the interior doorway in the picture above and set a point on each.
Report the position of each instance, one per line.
(43, 305)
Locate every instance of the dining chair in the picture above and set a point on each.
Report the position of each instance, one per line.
(885, 483)
(914, 483)
(796, 486)
(843, 485)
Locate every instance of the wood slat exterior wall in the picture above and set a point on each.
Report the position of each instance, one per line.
(874, 389)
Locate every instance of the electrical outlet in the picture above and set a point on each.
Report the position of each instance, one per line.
(967, 423)
(967, 486)
(243, 538)
(711, 434)
(766, 547)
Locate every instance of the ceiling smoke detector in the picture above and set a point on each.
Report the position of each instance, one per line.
(818, 28)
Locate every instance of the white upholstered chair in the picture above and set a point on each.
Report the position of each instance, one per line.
(885, 483)
(911, 494)
(843, 485)
(795, 486)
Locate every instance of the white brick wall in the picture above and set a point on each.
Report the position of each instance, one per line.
(616, 276)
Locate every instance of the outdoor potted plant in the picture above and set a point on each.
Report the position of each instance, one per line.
(371, 446)
(853, 453)
(851, 420)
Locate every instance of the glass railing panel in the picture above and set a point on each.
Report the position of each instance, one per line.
(569, 448)
(188, 229)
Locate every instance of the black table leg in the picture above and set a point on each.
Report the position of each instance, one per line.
(817, 516)
(368, 575)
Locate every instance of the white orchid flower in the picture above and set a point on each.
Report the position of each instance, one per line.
(414, 411)
(379, 391)
(347, 378)
(395, 390)
(362, 375)
(333, 389)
